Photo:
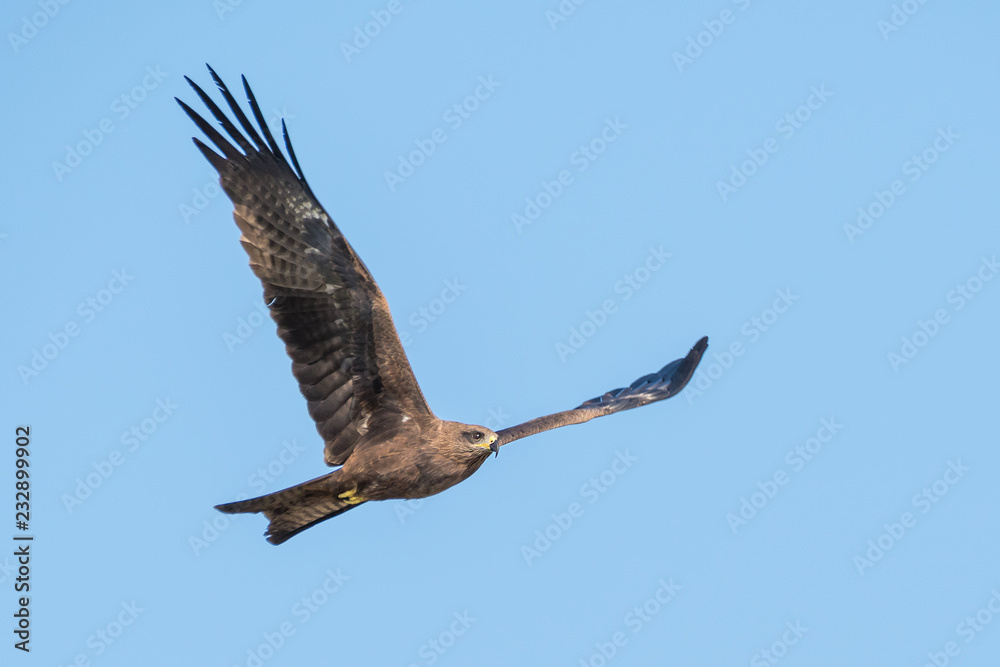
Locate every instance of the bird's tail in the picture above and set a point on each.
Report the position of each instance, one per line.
(294, 509)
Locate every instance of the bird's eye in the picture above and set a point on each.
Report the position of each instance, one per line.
(477, 436)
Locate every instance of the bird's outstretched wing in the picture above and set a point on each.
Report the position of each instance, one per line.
(335, 323)
(647, 389)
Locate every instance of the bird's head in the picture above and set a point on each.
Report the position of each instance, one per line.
(473, 438)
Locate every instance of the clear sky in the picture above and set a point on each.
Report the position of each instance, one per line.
(554, 205)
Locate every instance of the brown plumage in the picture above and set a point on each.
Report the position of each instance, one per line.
(346, 354)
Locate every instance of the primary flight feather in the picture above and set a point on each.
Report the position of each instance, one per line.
(346, 354)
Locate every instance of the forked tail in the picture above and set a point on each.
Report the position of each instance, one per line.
(292, 510)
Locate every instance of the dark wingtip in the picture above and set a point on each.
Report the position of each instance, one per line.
(685, 369)
(278, 538)
(259, 117)
(291, 151)
(190, 83)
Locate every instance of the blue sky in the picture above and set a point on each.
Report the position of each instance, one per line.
(554, 205)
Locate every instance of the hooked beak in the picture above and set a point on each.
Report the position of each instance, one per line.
(495, 448)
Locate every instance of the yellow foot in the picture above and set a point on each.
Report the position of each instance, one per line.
(351, 497)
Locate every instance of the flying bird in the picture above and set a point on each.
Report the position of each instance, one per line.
(346, 355)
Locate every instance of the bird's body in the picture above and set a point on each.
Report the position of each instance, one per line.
(346, 354)
(406, 463)
(416, 462)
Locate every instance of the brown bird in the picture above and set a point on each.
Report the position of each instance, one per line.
(346, 354)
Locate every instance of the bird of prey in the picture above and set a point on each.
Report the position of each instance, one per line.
(346, 355)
